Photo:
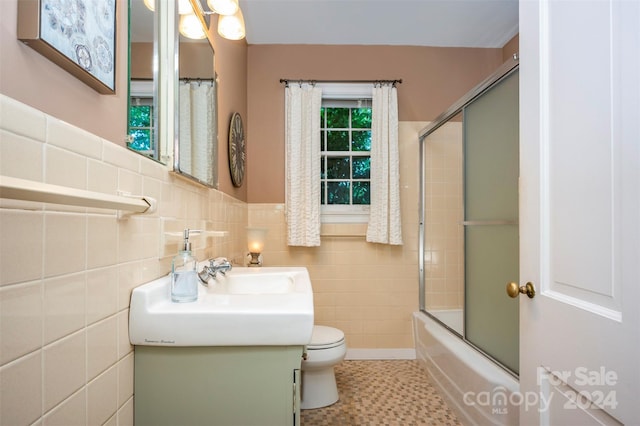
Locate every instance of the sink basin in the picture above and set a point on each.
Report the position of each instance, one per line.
(268, 306)
(252, 281)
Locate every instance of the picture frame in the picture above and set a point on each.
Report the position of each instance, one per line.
(77, 35)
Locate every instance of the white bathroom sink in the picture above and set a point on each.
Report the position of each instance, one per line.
(268, 306)
(253, 281)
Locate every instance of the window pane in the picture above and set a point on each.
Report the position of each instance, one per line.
(361, 118)
(338, 140)
(141, 139)
(322, 170)
(322, 193)
(361, 140)
(140, 116)
(361, 167)
(323, 140)
(338, 168)
(361, 193)
(338, 192)
(337, 118)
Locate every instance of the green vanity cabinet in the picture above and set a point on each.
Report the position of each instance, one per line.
(234, 385)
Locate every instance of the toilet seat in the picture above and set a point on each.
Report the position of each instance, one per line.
(324, 337)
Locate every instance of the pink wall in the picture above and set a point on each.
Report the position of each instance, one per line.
(433, 78)
(31, 78)
(511, 48)
(231, 66)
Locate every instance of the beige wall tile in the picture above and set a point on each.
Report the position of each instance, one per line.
(102, 177)
(102, 237)
(65, 168)
(138, 238)
(64, 243)
(102, 293)
(20, 320)
(130, 182)
(120, 157)
(21, 248)
(21, 390)
(64, 368)
(22, 119)
(125, 379)
(112, 421)
(102, 395)
(102, 346)
(71, 412)
(124, 345)
(125, 414)
(64, 306)
(72, 138)
(20, 157)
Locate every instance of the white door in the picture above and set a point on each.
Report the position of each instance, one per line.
(580, 211)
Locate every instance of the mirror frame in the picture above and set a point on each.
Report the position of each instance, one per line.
(166, 88)
(202, 18)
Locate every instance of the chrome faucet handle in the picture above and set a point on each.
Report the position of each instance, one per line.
(205, 274)
(219, 261)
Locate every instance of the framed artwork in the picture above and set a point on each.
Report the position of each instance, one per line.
(78, 35)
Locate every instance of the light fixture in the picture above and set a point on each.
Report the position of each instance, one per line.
(230, 22)
(223, 7)
(184, 6)
(255, 243)
(232, 26)
(190, 27)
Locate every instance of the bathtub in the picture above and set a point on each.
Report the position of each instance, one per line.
(477, 389)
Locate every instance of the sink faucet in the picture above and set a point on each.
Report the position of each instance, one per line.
(219, 264)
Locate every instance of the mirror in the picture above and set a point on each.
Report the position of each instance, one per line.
(197, 142)
(142, 106)
(172, 115)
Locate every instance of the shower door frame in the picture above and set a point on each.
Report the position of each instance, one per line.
(501, 73)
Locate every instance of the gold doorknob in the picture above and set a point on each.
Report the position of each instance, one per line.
(513, 290)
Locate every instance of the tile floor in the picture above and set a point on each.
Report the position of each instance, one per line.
(382, 392)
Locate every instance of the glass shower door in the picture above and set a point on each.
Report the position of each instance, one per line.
(491, 158)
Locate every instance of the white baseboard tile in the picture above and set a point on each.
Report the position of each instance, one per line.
(390, 353)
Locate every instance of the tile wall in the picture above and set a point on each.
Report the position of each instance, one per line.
(66, 273)
(444, 234)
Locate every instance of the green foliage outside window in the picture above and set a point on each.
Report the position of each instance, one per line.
(141, 128)
(346, 160)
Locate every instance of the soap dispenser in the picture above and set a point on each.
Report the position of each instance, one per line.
(184, 276)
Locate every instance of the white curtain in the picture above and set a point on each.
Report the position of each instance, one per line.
(196, 116)
(302, 135)
(384, 218)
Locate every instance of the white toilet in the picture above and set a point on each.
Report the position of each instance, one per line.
(327, 349)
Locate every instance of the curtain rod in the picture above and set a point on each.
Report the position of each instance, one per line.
(297, 80)
(196, 79)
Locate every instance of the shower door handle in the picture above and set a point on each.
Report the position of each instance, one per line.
(514, 291)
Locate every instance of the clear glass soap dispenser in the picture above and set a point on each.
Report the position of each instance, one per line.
(184, 275)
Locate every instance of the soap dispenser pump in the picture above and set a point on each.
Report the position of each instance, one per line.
(184, 276)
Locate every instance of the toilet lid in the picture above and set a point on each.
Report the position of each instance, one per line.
(324, 337)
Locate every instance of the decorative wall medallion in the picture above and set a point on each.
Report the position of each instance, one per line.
(237, 150)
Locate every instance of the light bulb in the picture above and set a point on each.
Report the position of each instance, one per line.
(223, 7)
(232, 26)
(191, 27)
(184, 6)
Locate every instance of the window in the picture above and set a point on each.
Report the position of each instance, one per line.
(141, 126)
(345, 127)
